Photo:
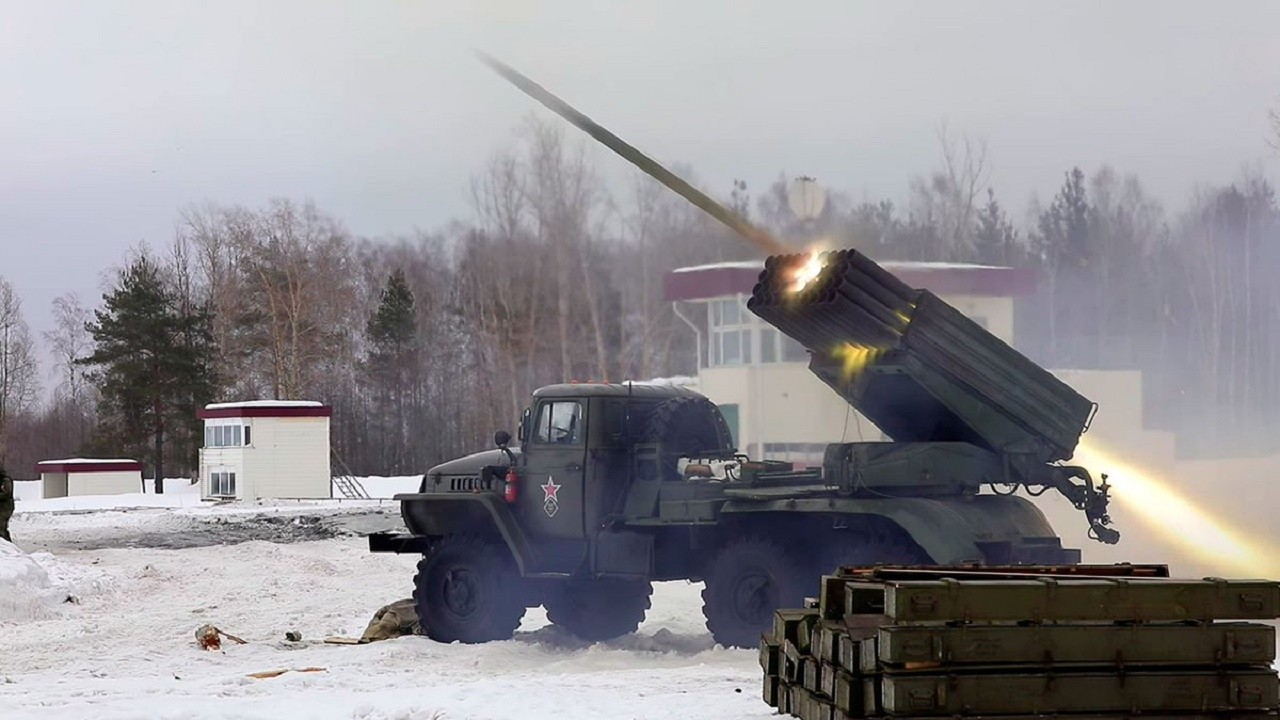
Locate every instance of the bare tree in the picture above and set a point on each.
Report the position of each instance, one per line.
(949, 198)
(565, 195)
(1274, 141)
(69, 341)
(19, 372)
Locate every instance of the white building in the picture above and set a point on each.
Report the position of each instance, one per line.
(89, 476)
(760, 378)
(265, 449)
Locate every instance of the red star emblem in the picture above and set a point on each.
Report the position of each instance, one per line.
(550, 489)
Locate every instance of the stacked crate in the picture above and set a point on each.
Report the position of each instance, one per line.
(913, 642)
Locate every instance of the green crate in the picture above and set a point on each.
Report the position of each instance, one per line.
(1049, 693)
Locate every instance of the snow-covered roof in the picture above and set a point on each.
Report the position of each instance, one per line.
(736, 265)
(265, 408)
(674, 381)
(263, 404)
(727, 279)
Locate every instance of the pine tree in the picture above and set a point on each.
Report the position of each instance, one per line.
(1064, 244)
(1064, 227)
(153, 365)
(392, 333)
(994, 239)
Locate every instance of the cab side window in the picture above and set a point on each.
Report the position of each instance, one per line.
(559, 423)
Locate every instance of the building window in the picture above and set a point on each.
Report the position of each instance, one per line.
(222, 483)
(732, 333)
(559, 423)
(216, 436)
(735, 332)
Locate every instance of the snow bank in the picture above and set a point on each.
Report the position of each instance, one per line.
(387, 487)
(27, 490)
(673, 381)
(173, 486)
(110, 502)
(33, 586)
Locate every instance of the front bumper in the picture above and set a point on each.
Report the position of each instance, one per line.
(391, 542)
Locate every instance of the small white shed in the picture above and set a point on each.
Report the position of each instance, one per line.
(75, 477)
(266, 449)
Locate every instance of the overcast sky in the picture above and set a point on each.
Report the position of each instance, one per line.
(114, 115)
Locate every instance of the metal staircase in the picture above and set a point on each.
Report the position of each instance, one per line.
(348, 484)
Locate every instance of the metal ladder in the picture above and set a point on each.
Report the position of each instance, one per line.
(350, 487)
(349, 484)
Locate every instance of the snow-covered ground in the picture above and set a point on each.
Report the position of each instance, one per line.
(124, 646)
(100, 600)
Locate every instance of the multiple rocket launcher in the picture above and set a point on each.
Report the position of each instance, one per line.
(928, 373)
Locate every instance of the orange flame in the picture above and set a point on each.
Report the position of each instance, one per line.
(806, 272)
(1179, 520)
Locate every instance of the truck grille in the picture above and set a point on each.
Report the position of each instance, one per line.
(470, 484)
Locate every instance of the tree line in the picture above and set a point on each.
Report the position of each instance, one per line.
(424, 344)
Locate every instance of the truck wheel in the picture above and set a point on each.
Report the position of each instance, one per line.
(748, 580)
(598, 610)
(468, 590)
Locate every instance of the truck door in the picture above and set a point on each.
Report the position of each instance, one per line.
(551, 492)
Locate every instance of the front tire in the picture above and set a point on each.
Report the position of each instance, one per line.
(749, 579)
(596, 610)
(468, 590)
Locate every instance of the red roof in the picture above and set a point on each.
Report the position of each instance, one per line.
(732, 278)
(88, 466)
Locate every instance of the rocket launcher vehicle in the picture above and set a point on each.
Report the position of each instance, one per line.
(938, 384)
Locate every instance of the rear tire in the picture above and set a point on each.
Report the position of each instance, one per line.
(468, 590)
(749, 579)
(597, 610)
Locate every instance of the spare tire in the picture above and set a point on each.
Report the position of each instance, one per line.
(686, 426)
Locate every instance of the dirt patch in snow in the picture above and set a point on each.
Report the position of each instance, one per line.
(174, 530)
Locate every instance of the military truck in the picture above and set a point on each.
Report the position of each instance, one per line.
(610, 487)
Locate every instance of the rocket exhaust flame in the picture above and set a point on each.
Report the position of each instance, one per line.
(854, 359)
(807, 271)
(1178, 520)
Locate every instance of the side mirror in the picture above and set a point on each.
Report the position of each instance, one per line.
(502, 438)
(524, 425)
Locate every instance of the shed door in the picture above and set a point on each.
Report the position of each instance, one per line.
(55, 485)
